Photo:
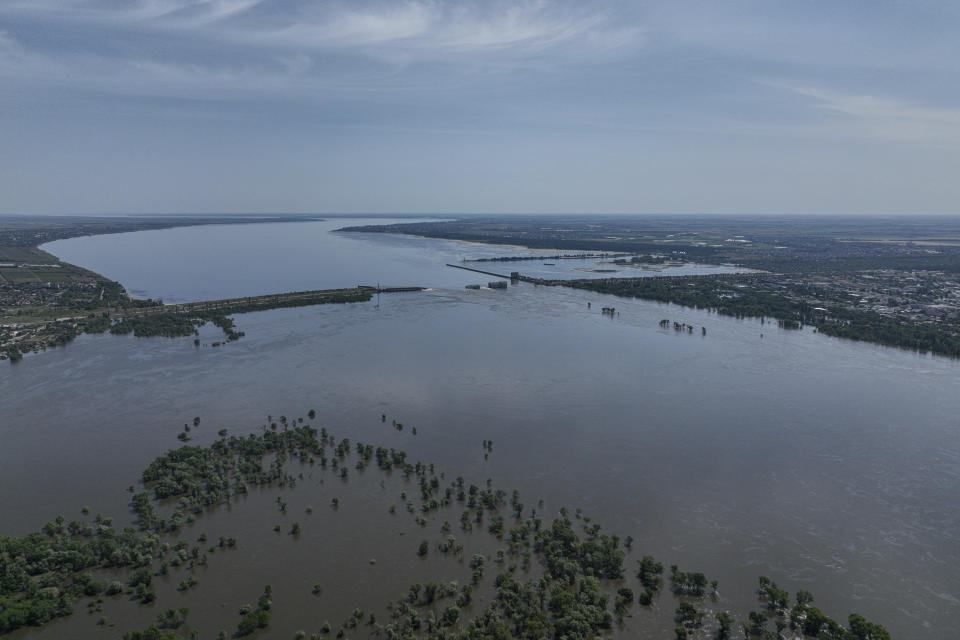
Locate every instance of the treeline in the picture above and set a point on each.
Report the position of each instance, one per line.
(172, 325)
(571, 599)
(206, 476)
(283, 301)
(869, 326)
(42, 573)
(429, 230)
(102, 293)
(803, 253)
(54, 334)
(169, 325)
(175, 324)
(726, 295)
(739, 296)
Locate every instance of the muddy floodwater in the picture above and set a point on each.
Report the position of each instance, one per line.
(828, 465)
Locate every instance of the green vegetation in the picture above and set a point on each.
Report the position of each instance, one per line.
(569, 578)
(153, 632)
(152, 320)
(253, 619)
(169, 325)
(742, 296)
(45, 302)
(183, 320)
(687, 615)
(787, 244)
(693, 583)
(892, 281)
(42, 573)
(173, 618)
(724, 622)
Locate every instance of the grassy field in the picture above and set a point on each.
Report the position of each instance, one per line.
(26, 275)
(35, 266)
(25, 254)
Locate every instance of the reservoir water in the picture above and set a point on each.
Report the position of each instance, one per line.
(223, 261)
(828, 465)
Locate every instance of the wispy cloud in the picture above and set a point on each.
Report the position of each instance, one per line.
(885, 118)
(341, 50)
(351, 27)
(606, 91)
(424, 25)
(179, 12)
(499, 33)
(261, 43)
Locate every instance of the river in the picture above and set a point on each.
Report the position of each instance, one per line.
(828, 465)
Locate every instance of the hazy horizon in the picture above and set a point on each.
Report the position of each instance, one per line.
(469, 214)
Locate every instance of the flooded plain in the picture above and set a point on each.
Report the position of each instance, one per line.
(828, 465)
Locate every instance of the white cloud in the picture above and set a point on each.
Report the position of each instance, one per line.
(178, 12)
(350, 28)
(425, 30)
(424, 25)
(257, 43)
(884, 118)
(525, 25)
(206, 12)
(880, 108)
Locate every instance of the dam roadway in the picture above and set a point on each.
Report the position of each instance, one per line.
(264, 302)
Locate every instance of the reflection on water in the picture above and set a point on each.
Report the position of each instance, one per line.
(827, 465)
(223, 261)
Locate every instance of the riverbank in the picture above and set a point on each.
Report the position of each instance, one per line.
(763, 296)
(818, 272)
(47, 302)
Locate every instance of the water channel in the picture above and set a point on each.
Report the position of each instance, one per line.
(828, 465)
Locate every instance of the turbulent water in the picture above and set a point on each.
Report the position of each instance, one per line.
(827, 465)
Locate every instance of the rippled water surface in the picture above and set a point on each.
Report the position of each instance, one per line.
(827, 465)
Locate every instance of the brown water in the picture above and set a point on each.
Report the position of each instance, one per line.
(827, 465)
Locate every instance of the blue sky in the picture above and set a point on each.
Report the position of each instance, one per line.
(113, 106)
